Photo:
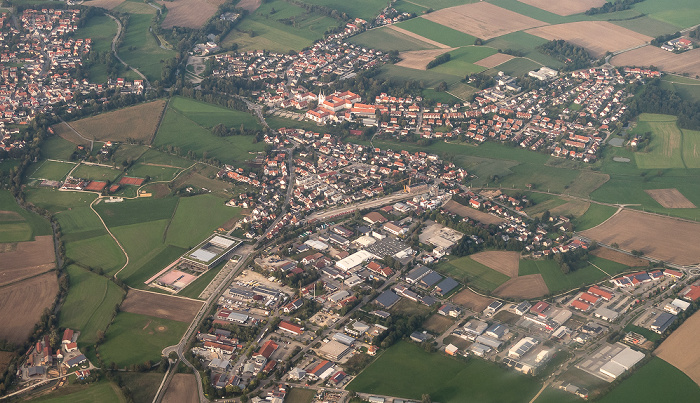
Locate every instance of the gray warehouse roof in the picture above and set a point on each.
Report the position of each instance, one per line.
(387, 299)
(431, 279)
(447, 285)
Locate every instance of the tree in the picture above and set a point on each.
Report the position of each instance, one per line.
(426, 398)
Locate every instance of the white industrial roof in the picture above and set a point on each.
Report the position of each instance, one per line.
(355, 259)
(203, 255)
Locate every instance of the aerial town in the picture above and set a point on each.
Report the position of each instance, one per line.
(279, 201)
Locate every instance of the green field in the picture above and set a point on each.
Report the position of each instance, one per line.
(208, 115)
(101, 29)
(387, 39)
(57, 148)
(136, 211)
(365, 9)
(657, 381)
(152, 172)
(139, 47)
(197, 286)
(50, 170)
(436, 96)
(429, 78)
(300, 395)
(472, 272)
(184, 135)
(647, 26)
(143, 385)
(134, 339)
(682, 13)
(558, 282)
(666, 146)
(551, 395)
(595, 215)
(440, 4)
(96, 173)
(516, 67)
(103, 392)
(408, 371)
(100, 252)
(89, 305)
(18, 224)
(462, 61)
(525, 43)
(436, 32)
(136, 274)
(280, 26)
(195, 219)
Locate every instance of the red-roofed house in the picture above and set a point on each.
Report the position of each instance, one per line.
(540, 308)
(673, 273)
(67, 336)
(580, 305)
(380, 269)
(586, 297)
(691, 293)
(70, 347)
(267, 349)
(600, 293)
(293, 329)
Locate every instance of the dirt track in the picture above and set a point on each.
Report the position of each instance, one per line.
(597, 37)
(668, 239)
(160, 306)
(682, 348)
(564, 7)
(503, 262)
(482, 20)
(525, 287)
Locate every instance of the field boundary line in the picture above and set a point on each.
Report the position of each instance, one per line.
(27, 278)
(594, 265)
(172, 216)
(112, 235)
(160, 120)
(104, 296)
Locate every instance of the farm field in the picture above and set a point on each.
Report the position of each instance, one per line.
(270, 31)
(438, 324)
(134, 339)
(189, 226)
(25, 259)
(527, 45)
(89, 305)
(619, 257)
(656, 381)
(17, 316)
(152, 171)
(365, 9)
(436, 32)
(647, 26)
(464, 211)
(183, 135)
(100, 29)
(494, 60)
(683, 14)
(18, 224)
(473, 301)
(597, 37)
(516, 67)
(682, 348)
(586, 183)
(99, 252)
(386, 39)
(419, 59)
(686, 88)
(5, 358)
(300, 395)
(473, 273)
(445, 379)
(564, 7)
(209, 115)
(665, 147)
(686, 62)
(523, 287)
(558, 282)
(418, 37)
(108, 4)
(137, 123)
(663, 238)
(551, 395)
(189, 13)
(103, 392)
(139, 48)
(394, 73)
(670, 198)
(595, 215)
(136, 211)
(462, 60)
(143, 385)
(160, 306)
(482, 20)
(183, 388)
(503, 262)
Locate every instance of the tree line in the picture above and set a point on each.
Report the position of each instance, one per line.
(655, 99)
(619, 5)
(574, 57)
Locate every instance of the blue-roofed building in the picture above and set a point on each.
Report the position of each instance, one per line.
(445, 286)
(416, 274)
(387, 299)
(76, 360)
(430, 279)
(662, 322)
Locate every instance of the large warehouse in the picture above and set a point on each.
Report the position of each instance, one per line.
(209, 253)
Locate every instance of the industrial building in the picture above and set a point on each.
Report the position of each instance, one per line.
(209, 253)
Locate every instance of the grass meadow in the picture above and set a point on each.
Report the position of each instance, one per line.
(134, 338)
(96, 173)
(57, 148)
(387, 39)
(50, 170)
(558, 282)
(89, 305)
(18, 224)
(196, 217)
(209, 115)
(595, 215)
(439, 33)
(103, 392)
(475, 274)
(408, 371)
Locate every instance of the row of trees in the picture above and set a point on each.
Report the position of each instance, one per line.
(443, 58)
(619, 5)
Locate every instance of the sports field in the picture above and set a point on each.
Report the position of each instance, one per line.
(95, 172)
(139, 48)
(89, 305)
(135, 339)
(408, 371)
(183, 135)
(50, 170)
(475, 274)
(657, 381)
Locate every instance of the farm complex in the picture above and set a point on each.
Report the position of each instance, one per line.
(327, 201)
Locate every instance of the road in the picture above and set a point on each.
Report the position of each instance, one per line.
(114, 50)
(392, 198)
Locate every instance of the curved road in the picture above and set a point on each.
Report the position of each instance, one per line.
(114, 49)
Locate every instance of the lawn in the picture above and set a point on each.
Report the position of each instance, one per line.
(50, 170)
(280, 26)
(184, 136)
(103, 392)
(96, 173)
(558, 282)
(439, 33)
(442, 97)
(665, 148)
(196, 218)
(134, 339)
(209, 115)
(387, 39)
(408, 371)
(89, 304)
(657, 381)
(595, 215)
(651, 336)
(472, 272)
(139, 47)
(19, 224)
